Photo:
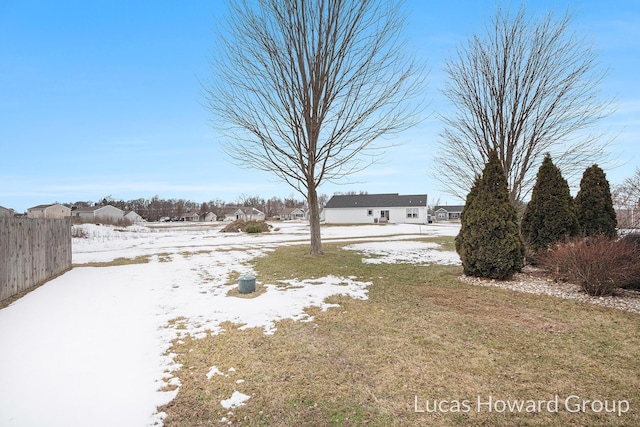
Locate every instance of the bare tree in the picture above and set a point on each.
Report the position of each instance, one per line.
(306, 89)
(322, 200)
(525, 88)
(273, 206)
(626, 200)
(632, 186)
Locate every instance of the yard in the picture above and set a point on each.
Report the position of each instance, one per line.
(149, 328)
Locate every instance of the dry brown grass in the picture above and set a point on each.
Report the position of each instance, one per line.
(188, 254)
(142, 259)
(422, 334)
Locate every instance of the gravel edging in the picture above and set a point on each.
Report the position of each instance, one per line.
(624, 299)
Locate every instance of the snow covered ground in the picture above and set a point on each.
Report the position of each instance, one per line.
(90, 347)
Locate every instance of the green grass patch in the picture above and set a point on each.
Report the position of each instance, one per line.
(422, 334)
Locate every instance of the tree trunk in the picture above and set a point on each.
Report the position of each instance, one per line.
(314, 221)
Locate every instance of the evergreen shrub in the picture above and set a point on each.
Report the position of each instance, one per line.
(550, 216)
(489, 242)
(594, 205)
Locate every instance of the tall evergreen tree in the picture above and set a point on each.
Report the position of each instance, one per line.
(594, 204)
(489, 243)
(550, 216)
(467, 223)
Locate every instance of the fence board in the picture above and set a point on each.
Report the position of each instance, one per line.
(32, 251)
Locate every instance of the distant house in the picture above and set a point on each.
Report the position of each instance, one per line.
(628, 218)
(229, 213)
(49, 211)
(210, 217)
(244, 213)
(105, 213)
(375, 208)
(6, 212)
(292, 213)
(190, 216)
(133, 217)
(447, 213)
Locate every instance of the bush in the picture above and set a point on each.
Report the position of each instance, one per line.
(489, 242)
(598, 264)
(633, 240)
(247, 226)
(253, 229)
(122, 222)
(594, 205)
(550, 216)
(79, 232)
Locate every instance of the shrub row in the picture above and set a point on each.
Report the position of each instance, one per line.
(492, 244)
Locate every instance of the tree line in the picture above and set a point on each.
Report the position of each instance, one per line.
(156, 207)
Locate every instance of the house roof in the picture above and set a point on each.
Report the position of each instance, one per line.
(229, 210)
(249, 211)
(44, 206)
(449, 208)
(93, 208)
(189, 214)
(291, 210)
(253, 211)
(87, 209)
(393, 200)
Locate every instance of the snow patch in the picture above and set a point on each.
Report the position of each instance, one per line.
(213, 371)
(74, 339)
(237, 399)
(405, 252)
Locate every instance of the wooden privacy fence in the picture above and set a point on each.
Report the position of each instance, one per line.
(32, 251)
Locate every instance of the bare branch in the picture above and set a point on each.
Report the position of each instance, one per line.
(526, 88)
(305, 89)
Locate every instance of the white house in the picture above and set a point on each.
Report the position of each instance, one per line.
(190, 216)
(245, 214)
(292, 213)
(49, 211)
(133, 217)
(448, 212)
(210, 217)
(106, 213)
(375, 208)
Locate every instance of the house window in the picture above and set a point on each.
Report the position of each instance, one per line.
(412, 212)
(454, 215)
(369, 212)
(441, 215)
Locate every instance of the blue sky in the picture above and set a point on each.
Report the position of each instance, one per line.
(103, 98)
